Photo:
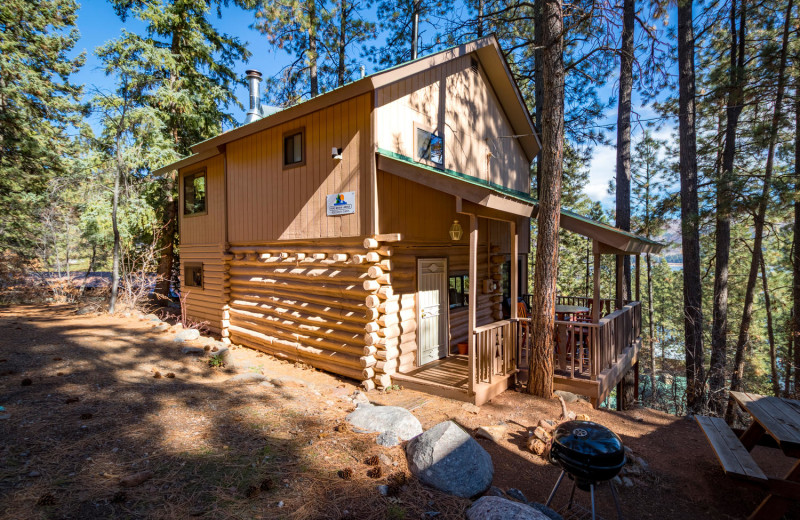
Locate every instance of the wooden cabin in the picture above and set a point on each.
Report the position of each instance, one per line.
(371, 230)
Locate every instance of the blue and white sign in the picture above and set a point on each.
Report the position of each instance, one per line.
(341, 203)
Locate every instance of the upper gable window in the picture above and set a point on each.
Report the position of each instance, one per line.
(294, 148)
(194, 193)
(429, 147)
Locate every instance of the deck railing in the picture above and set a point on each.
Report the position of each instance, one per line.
(494, 354)
(607, 305)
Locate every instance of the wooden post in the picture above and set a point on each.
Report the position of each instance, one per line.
(514, 268)
(638, 276)
(620, 279)
(596, 278)
(473, 299)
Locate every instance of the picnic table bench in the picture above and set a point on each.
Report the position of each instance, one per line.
(780, 419)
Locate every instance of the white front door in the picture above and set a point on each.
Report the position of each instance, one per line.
(432, 309)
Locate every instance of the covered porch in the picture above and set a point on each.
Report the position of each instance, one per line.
(592, 352)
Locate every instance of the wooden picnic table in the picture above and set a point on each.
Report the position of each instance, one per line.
(567, 310)
(780, 419)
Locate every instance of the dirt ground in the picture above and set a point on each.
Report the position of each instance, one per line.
(84, 411)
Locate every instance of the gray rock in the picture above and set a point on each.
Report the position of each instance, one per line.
(266, 384)
(186, 335)
(495, 491)
(290, 382)
(34, 474)
(161, 327)
(379, 419)
(388, 439)
(383, 489)
(627, 482)
(360, 397)
(247, 378)
(498, 508)
(84, 311)
(568, 397)
(546, 511)
(450, 460)
(518, 495)
(193, 351)
(151, 317)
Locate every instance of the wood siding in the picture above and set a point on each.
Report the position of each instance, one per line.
(205, 305)
(207, 228)
(268, 202)
(461, 105)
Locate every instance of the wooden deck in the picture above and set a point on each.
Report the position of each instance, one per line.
(449, 377)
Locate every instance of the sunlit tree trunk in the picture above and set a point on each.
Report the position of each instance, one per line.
(540, 375)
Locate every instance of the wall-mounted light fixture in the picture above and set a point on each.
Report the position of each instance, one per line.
(455, 231)
(336, 153)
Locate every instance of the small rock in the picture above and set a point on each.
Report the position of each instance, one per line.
(385, 459)
(84, 311)
(34, 474)
(494, 433)
(627, 482)
(517, 495)
(471, 408)
(568, 397)
(192, 351)
(495, 491)
(388, 439)
(360, 397)
(266, 384)
(571, 415)
(280, 504)
(247, 378)
(186, 335)
(161, 327)
(289, 382)
(616, 481)
(383, 489)
(582, 417)
(498, 508)
(379, 419)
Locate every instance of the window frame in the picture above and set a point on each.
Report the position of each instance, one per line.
(291, 133)
(463, 277)
(194, 265)
(421, 160)
(202, 172)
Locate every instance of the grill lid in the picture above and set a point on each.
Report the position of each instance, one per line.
(587, 450)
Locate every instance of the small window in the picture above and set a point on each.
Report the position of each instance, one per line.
(430, 147)
(193, 275)
(293, 149)
(194, 193)
(459, 290)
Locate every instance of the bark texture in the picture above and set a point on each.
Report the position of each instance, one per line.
(690, 219)
(540, 375)
(623, 195)
(796, 248)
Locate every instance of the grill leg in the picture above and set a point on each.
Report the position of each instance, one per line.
(616, 500)
(572, 495)
(553, 493)
(591, 492)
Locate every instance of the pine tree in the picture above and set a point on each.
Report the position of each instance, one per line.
(39, 107)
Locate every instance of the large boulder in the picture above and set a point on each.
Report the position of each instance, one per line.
(498, 508)
(368, 418)
(449, 459)
(186, 335)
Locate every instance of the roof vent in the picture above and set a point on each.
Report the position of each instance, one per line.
(255, 112)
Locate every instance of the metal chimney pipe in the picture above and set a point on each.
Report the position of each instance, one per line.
(415, 31)
(254, 82)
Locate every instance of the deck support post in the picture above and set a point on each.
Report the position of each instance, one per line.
(514, 268)
(638, 276)
(472, 307)
(620, 279)
(596, 303)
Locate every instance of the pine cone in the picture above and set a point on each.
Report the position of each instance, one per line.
(373, 461)
(375, 472)
(346, 474)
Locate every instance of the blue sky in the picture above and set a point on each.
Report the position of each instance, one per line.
(98, 24)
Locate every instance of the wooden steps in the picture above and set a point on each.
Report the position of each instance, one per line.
(735, 459)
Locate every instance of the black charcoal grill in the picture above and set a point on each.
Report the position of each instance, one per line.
(589, 454)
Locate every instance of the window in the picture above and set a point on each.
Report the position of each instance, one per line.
(459, 290)
(193, 275)
(293, 149)
(194, 193)
(430, 147)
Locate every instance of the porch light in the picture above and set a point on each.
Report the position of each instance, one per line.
(455, 231)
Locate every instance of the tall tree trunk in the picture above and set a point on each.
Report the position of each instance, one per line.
(313, 24)
(652, 333)
(342, 42)
(166, 258)
(719, 329)
(540, 376)
(480, 18)
(538, 84)
(623, 195)
(112, 304)
(773, 359)
(796, 244)
(758, 224)
(690, 217)
(89, 269)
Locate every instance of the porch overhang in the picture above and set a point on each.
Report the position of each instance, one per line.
(610, 240)
(493, 197)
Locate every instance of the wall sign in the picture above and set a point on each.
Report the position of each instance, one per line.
(341, 203)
